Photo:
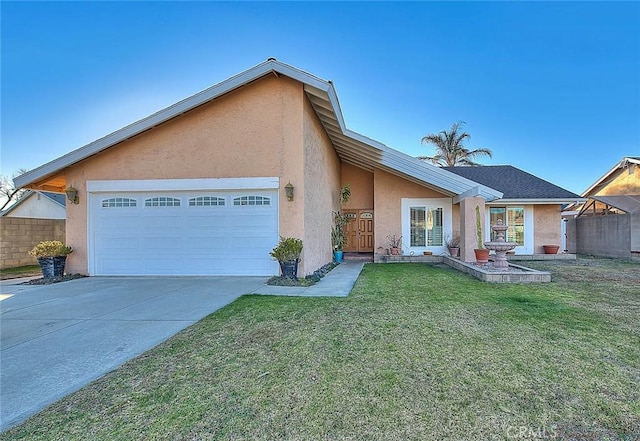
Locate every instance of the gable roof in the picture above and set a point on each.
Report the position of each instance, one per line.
(351, 147)
(54, 197)
(622, 164)
(516, 184)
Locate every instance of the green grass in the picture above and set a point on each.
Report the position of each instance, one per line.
(21, 271)
(415, 352)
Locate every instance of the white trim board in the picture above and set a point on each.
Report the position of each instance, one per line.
(183, 184)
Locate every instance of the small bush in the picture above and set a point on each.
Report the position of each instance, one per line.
(289, 248)
(50, 248)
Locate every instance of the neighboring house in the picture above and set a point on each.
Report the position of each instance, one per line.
(199, 187)
(36, 216)
(608, 222)
(622, 180)
(38, 205)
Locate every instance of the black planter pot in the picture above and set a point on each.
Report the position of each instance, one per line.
(289, 268)
(52, 266)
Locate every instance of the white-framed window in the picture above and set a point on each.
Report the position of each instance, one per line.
(206, 201)
(252, 200)
(511, 216)
(426, 229)
(119, 203)
(162, 201)
(425, 224)
(519, 219)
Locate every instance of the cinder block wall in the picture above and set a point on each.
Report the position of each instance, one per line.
(607, 236)
(18, 235)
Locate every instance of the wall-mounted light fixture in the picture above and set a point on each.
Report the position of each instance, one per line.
(288, 190)
(72, 195)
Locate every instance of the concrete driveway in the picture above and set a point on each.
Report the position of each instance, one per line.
(57, 338)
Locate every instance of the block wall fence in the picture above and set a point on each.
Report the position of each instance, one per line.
(18, 235)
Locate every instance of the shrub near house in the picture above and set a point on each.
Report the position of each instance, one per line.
(52, 257)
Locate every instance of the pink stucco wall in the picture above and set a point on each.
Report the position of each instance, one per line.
(388, 193)
(361, 182)
(257, 131)
(547, 227)
(321, 190)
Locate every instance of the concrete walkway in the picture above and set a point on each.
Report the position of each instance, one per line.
(338, 283)
(58, 338)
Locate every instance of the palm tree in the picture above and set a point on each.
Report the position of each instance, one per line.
(450, 149)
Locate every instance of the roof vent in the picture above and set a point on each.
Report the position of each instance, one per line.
(271, 59)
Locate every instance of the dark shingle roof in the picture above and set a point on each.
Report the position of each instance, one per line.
(513, 182)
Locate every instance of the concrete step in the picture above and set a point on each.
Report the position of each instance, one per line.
(358, 257)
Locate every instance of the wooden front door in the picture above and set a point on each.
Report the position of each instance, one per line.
(359, 231)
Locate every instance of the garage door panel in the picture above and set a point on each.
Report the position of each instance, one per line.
(195, 243)
(121, 266)
(117, 244)
(163, 220)
(186, 239)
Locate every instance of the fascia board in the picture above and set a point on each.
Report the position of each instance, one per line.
(391, 158)
(548, 201)
(168, 113)
(404, 163)
(19, 202)
(424, 171)
(599, 181)
(606, 176)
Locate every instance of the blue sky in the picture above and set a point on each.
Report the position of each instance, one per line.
(551, 88)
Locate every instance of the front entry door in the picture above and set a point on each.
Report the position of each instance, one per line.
(359, 231)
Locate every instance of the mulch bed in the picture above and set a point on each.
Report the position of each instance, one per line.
(43, 281)
(309, 280)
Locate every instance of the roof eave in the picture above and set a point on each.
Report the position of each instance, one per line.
(390, 158)
(539, 201)
(619, 165)
(17, 203)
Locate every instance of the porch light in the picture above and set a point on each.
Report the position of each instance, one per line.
(72, 195)
(288, 190)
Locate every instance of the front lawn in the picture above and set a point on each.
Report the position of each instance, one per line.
(20, 271)
(415, 352)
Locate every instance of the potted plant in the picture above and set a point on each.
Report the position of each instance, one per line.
(482, 254)
(340, 221)
(52, 257)
(453, 244)
(395, 244)
(338, 237)
(287, 253)
(550, 249)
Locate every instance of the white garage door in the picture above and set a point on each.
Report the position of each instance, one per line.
(183, 232)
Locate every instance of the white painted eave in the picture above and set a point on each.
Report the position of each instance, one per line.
(624, 161)
(28, 194)
(351, 147)
(547, 201)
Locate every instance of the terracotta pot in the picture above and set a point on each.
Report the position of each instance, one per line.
(550, 249)
(427, 253)
(395, 251)
(482, 255)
